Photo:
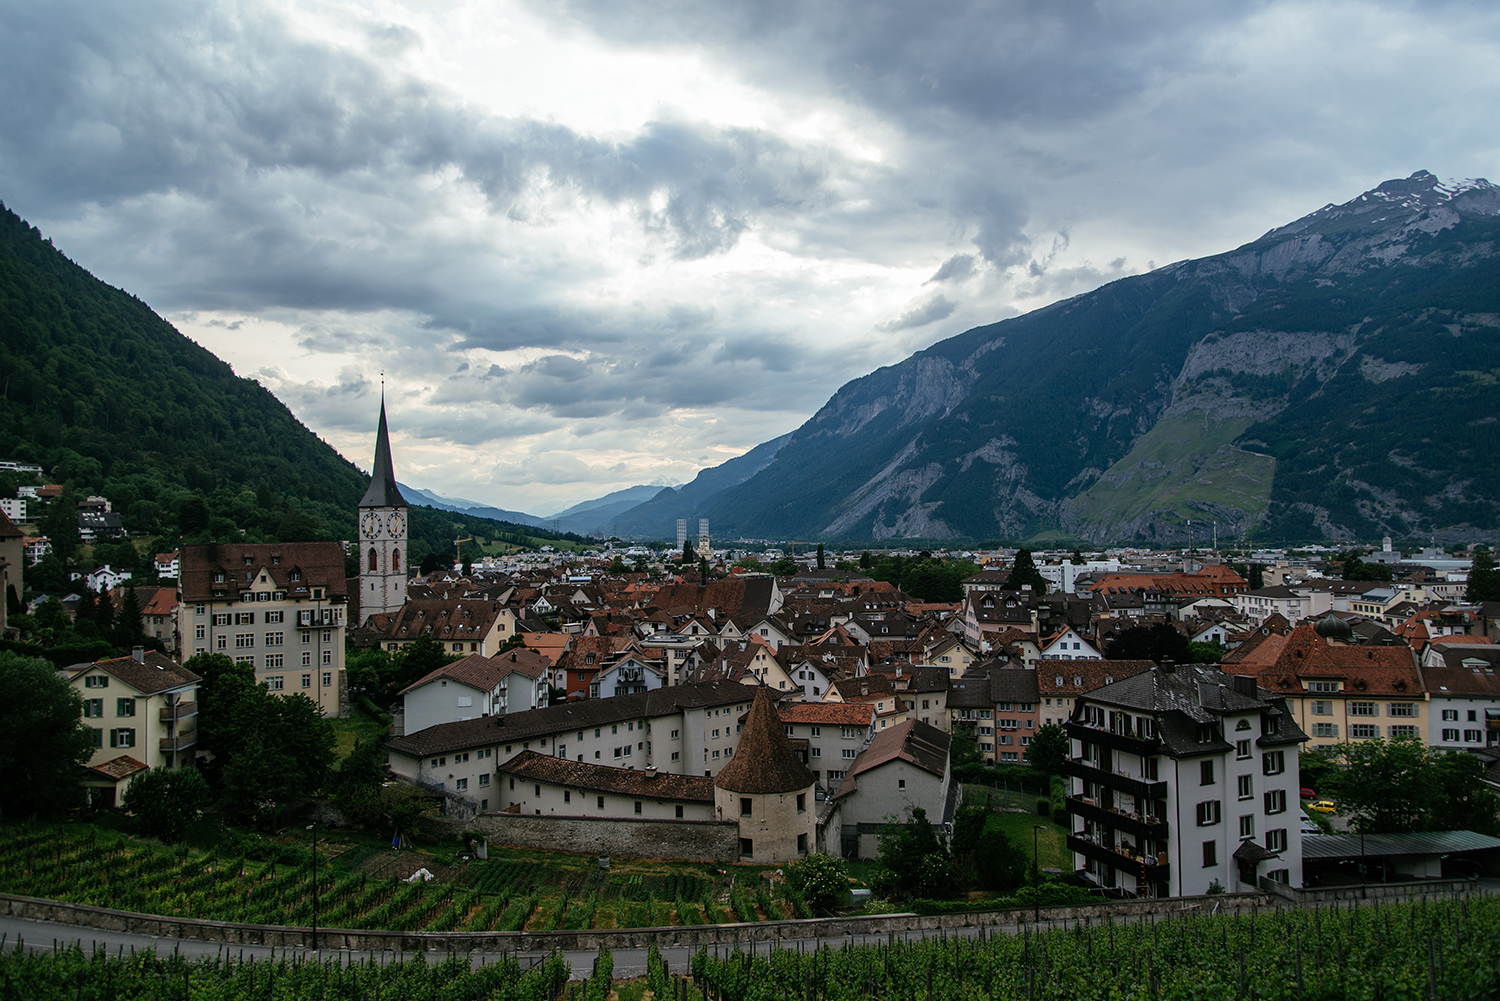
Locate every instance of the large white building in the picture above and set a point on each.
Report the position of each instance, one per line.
(1180, 779)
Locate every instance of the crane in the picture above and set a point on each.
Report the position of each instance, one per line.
(458, 555)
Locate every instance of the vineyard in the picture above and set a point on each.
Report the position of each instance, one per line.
(1421, 952)
(531, 892)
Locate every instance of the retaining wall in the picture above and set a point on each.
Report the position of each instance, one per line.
(698, 840)
(1412, 890)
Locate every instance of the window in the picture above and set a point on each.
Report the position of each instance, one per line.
(327, 657)
(1322, 707)
(1403, 731)
(274, 617)
(1206, 772)
(1208, 813)
(1363, 731)
(1273, 763)
(1403, 708)
(221, 642)
(200, 631)
(1364, 709)
(96, 681)
(307, 658)
(1473, 736)
(1325, 729)
(1242, 749)
(124, 707)
(244, 641)
(275, 639)
(817, 731)
(1322, 686)
(461, 784)
(1210, 854)
(306, 678)
(1450, 715)
(745, 804)
(1276, 840)
(122, 737)
(850, 752)
(802, 802)
(327, 679)
(275, 683)
(638, 807)
(484, 780)
(1275, 801)
(244, 618)
(900, 784)
(674, 735)
(815, 752)
(1247, 826)
(93, 708)
(850, 733)
(601, 802)
(747, 848)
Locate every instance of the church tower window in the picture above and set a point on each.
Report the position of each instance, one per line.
(374, 564)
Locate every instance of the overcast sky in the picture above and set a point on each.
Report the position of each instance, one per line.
(595, 244)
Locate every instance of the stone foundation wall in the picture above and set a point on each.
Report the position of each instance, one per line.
(706, 841)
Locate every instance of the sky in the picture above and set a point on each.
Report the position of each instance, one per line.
(588, 244)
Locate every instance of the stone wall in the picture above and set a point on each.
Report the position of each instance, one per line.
(703, 840)
(1396, 892)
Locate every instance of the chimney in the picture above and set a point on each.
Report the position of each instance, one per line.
(138, 654)
(650, 773)
(1167, 667)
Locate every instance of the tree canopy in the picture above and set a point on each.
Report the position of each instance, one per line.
(1048, 749)
(1023, 572)
(44, 740)
(1484, 579)
(1160, 642)
(1401, 785)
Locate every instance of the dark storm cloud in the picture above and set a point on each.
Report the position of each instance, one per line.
(929, 311)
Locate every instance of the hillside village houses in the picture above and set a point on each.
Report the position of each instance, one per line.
(631, 702)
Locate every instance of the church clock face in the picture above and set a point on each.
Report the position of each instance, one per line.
(369, 524)
(398, 524)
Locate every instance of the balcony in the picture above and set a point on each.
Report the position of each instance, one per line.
(1131, 865)
(1114, 780)
(178, 711)
(1140, 826)
(181, 742)
(1129, 743)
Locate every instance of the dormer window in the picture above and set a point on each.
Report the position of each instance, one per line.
(218, 576)
(248, 560)
(295, 575)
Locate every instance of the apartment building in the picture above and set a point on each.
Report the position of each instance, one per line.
(142, 708)
(1181, 779)
(280, 607)
(833, 732)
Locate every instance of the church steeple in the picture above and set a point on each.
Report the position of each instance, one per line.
(383, 491)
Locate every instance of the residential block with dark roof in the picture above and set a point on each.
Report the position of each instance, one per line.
(904, 768)
(1180, 778)
(280, 607)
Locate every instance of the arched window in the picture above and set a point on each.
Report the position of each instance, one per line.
(373, 560)
(395, 560)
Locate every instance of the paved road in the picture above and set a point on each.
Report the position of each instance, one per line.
(46, 935)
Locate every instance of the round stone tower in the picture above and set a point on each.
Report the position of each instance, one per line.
(768, 790)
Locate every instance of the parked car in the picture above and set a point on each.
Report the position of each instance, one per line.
(1461, 868)
(1309, 793)
(1323, 806)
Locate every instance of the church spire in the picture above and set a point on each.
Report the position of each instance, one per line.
(383, 491)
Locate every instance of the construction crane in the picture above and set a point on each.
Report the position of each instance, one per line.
(458, 554)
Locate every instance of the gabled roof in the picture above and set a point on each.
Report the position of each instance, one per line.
(1091, 674)
(119, 768)
(318, 564)
(764, 761)
(8, 529)
(534, 767)
(913, 741)
(154, 673)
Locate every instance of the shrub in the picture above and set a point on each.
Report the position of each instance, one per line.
(1044, 808)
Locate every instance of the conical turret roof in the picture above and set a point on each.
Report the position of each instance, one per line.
(383, 491)
(764, 761)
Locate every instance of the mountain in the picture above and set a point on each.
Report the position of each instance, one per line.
(471, 508)
(109, 398)
(657, 518)
(1338, 378)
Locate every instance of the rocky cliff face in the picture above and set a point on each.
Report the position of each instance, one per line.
(1336, 378)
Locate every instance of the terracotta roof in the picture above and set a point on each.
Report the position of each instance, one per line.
(158, 673)
(764, 761)
(646, 783)
(319, 564)
(827, 713)
(119, 768)
(1091, 673)
(913, 741)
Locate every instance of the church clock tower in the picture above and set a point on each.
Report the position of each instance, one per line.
(382, 534)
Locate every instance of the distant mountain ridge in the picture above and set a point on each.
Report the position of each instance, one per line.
(1338, 378)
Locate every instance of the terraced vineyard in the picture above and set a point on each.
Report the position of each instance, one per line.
(532, 891)
(1446, 951)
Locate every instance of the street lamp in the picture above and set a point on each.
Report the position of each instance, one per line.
(1036, 865)
(312, 827)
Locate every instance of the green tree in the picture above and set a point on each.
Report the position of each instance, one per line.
(1463, 800)
(44, 740)
(363, 770)
(820, 557)
(127, 631)
(59, 523)
(1205, 653)
(913, 861)
(279, 750)
(192, 515)
(785, 567)
(1048, 749)
(687, 551)
(165, 801)
(1160, 642)
(1000, 862)
(866, 560)
(751, 564)
(1484, 579)
(224, 685)
(963, 747)
(1023, 571)
(1394, 787)
(822, 879)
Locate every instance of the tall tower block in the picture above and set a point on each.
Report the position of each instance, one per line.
(681, 533)
(704, 549)
(382, 533)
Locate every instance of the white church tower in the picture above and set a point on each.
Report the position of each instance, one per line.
(382, 534)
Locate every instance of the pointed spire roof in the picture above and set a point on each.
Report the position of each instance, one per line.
(383, 491)
(764, 761)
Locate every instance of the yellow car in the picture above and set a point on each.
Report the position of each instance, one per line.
(1323, 806)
